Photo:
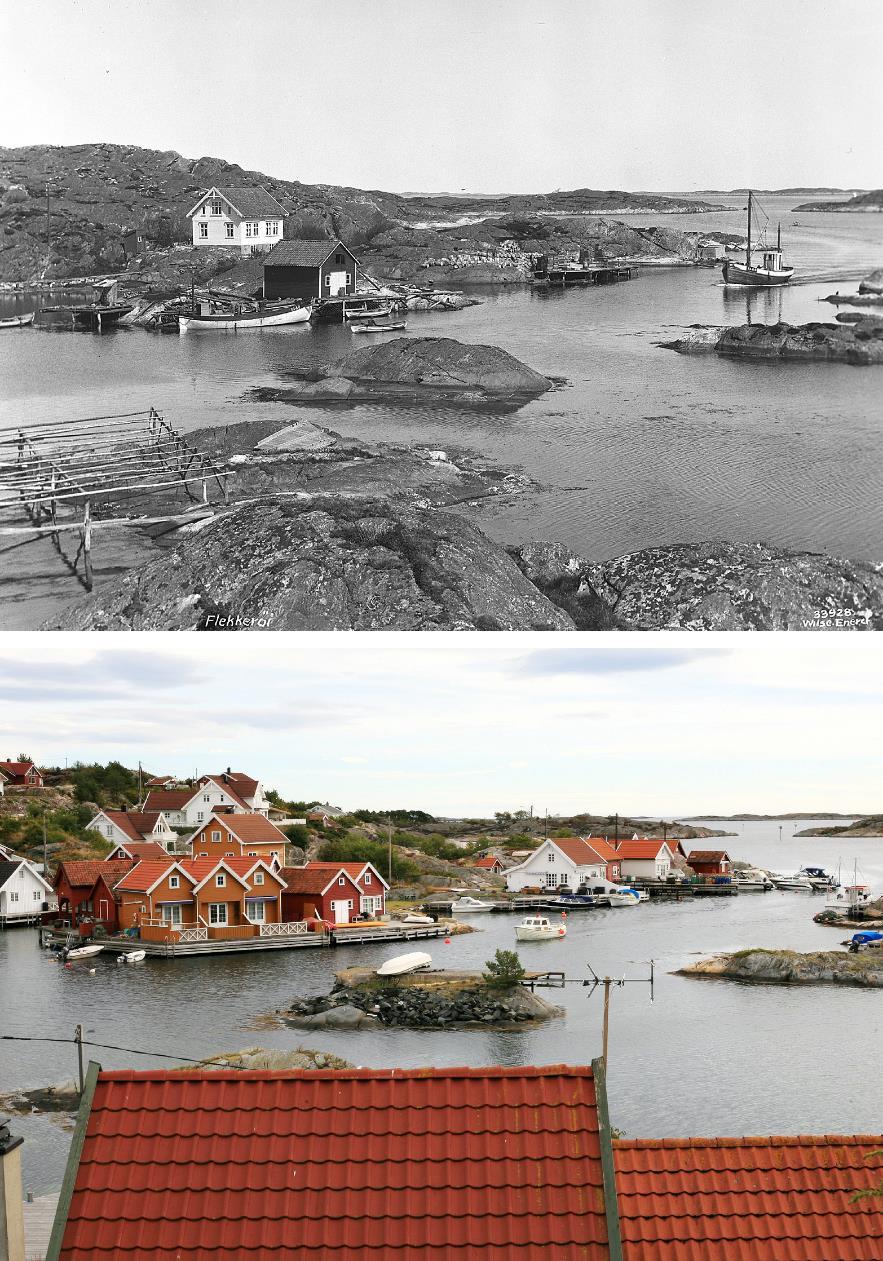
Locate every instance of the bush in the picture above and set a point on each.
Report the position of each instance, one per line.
(298, 834)
(359, 849)
(503, 971)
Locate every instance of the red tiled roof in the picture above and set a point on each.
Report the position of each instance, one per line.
(403, 1164)
(82, 873)
(169, 798)
(146, 849)
(17, 769)
(244, 784)
(229, 788)
(351, 869)
(250, 828)
(602, 848)
(579, 851)
(487, 862)
(708, 855)
(313, 879)
(144, 875)
(742, 1199)
(134, 823)
(199, 868)
(641, 848)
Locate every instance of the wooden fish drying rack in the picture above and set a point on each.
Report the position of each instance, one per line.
(55, 472)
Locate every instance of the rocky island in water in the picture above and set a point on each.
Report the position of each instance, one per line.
(788, 967)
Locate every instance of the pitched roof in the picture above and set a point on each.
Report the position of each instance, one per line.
(352, 869)
(602, 848)
(250, 828)
(489, 860)
(135, 823)
(17, 770)
(578, 850)
(242, 783)
(251, 202)
(144, 875)
(8, 868)
(737, 1199)
(82, 873)
(641, 847)
(200, 868)
(140, 850)
(407, 1164)
(312, 879)
(708, 855)
(169, 799)
(300, 253)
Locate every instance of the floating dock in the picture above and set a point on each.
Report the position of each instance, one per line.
(565, 276)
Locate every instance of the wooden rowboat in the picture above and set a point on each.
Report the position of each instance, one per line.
(18, 321)
(268, 317)
(371, 327)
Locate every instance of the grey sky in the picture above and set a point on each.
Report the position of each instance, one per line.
(463, 725)
(487, 95)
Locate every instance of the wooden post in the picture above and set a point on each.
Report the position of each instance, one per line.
(87, 544)
(606, 1027)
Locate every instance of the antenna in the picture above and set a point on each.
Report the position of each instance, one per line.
(607, 982)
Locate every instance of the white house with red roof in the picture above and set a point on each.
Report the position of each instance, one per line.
(565, 862)
(249, 791)
(645, 858)
(133, 826)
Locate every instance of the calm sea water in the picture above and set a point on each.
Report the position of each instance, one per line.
(643, 447)
(703, 1058)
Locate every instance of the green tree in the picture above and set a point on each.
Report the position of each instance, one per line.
(503, 971)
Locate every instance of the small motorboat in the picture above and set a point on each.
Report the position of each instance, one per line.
(849, 898)
(539, 928)
(414, 918)
(797, 882)
(869, 940)
(401, 965)
(751, 880)
(83, 952)
(365, 308)
(466, 904)
(372, 326)
(818, 877)
(17, 321)
(269, 316)
(132, 956)
(623, 897)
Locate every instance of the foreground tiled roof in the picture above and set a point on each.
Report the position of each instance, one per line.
(312, 879)
(299, 253)
(145, 849)
(749, 1199)
(82, 873)
(17, 770)
(136, 824)
(144, 875)
(602, 848)
(579, 851)
(249, 828)
(354, 869)
(642, 848)
(410, 1165)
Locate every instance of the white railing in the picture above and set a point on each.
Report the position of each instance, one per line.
(294, 929)
(196, 932)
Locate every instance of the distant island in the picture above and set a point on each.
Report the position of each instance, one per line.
(862, 203)
(761, 818)
(869, 825)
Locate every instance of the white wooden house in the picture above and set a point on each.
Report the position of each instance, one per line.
(248, 218)
(643, 858)
(124, 826)
(565, 863)
(24, 894)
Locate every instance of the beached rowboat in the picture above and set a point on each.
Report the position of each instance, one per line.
(401, 965)
(17, 321)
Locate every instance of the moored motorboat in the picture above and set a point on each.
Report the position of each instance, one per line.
(849, 898)
(17, 321)
(401, 965)
(752, 880)
(818, 877)
(268, 316)
(771, 271)
(83, 952)
(539, 928)
(797, 883)
(465, 905)
(623, 897)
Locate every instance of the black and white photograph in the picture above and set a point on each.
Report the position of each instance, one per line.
(613, 274)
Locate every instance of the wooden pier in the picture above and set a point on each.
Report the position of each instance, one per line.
(565, 276)
(56, 473)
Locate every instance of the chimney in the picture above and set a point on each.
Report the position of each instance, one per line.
(12, 1224)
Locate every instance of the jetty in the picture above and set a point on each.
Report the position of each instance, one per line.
(565, 275)
(76, 476)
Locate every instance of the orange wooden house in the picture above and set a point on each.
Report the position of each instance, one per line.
(208, 898)
(239, 836)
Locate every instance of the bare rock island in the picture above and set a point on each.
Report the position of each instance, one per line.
(421, 369)
(859, 342)
(788, 967)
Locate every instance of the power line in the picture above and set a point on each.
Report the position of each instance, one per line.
(110, 1046)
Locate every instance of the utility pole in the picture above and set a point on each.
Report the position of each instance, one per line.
(546, 827)
(48, 234)
(607, 982)
(78, 1038)
(616, 827)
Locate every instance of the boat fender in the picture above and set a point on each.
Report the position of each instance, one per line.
(447, 941)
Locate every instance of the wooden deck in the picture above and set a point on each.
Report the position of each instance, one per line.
(590, 274)
(39, 1215)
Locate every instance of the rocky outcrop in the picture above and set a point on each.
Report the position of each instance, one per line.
(862, 203)
(359, 999)
(787, 967)
(708, 586)
(872, 283)
(419, 369)
(859, 343)
(324, 562)
(870, 825)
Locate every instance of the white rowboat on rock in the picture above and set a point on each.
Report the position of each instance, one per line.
(401, 965)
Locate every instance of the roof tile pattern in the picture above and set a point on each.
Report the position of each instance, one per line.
(299, 253)
(251, 828)
(639, 849)
(747, 1199)
(82, 873)
(410, 1164)
(144, 875)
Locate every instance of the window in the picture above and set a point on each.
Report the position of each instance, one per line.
(252, 853)
(229, 854)
(216, 835)
(348, 279)
(203, 853)
(206, 797)
(551, 857)
(367, 877)
(551, 879)
(255, 912)
(200, 816)
(350, 904)
(36, 895)
(216, 208)
(217, 913)
(338, 260)
(174, 882)
(341, 880)
(13, 896)
(327, 282)
(259, 877)
(171, 915)
(220, 880)
(230, 231)
(203, 231)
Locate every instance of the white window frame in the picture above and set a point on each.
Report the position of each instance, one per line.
(172, 915)
(203, 231)
(217, 914)
(216, 835)
(174, 882)
(231, 231)
(341, 880)
(367, 877)
(259, 877)
(256, 912)
(221, 880)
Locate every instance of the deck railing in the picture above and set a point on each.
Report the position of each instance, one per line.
(295, 928)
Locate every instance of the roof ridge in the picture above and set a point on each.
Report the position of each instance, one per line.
(387, 1074)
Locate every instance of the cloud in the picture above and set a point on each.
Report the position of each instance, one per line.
(108, 673)
(613, 660)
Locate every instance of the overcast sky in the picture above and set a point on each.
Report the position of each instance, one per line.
(466, 725)
(485, 95)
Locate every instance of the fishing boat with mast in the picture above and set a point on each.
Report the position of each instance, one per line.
(771, 270)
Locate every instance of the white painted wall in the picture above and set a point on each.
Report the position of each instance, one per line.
(549, 868)
(24, 893)
(230, 229)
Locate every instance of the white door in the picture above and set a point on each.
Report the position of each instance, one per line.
(341, 912)
(336, 282)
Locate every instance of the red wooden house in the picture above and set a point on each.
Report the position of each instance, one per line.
(74, 882)
(372, 886)
(711, 862)
(21, 775)
(491, 863)
(320, 892)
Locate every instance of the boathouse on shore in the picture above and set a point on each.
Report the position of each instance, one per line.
(310, 269)
(711, 862)
(320, 892)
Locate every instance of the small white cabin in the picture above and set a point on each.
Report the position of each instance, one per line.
(24, 894)
(564, 864)
(248, 218)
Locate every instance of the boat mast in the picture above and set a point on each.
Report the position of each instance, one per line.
(779, 237)
(748, 248)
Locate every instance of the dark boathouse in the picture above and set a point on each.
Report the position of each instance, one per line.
(310, 269)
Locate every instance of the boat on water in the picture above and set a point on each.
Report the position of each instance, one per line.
(574, 901)
(752, 880)
(414, 918)
(17, 321)
(401, 965)
(98, 317)
(623, 897)
(849, 898)
(357, 309)
(818, 877)
(539, 928)
(373, 326)
(274, 315)
(771, 271)
(132, 956)
(82, 952)
(797, 883)
(467, 904)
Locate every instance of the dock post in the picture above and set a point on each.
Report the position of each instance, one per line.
(87, 543)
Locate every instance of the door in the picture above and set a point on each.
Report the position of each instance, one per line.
(103, 910)
(341, 912)
(172, 916)
(336, 282)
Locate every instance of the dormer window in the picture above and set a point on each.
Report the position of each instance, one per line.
(259, 877)
(220, 880)
(341, 880)
(174, 882)
(367, 877)
(215, 208)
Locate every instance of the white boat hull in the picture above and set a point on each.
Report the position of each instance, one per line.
(552, 933)
(242, 323)
(418, 919)
(83, 952)
(133, 956)
(401, 965)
